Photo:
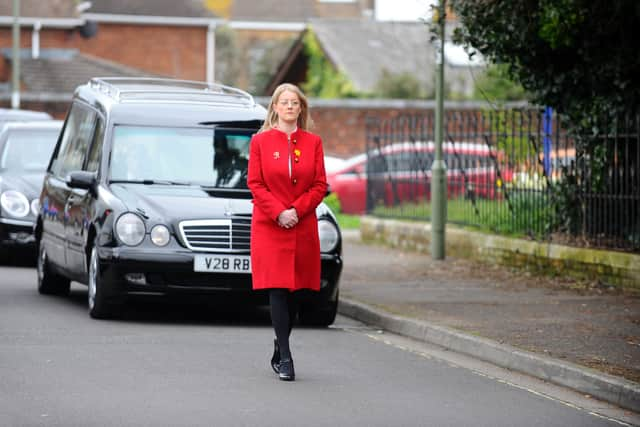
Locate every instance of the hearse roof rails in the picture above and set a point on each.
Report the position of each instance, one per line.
(123, 89)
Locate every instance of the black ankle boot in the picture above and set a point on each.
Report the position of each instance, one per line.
(287, 372)
(275, 359)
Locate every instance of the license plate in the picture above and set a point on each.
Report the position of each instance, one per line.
(222, 263)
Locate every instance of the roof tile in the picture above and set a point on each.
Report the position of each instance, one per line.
(171, 8)
(41, 9)
(62, 70)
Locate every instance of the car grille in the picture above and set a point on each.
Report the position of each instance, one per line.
(219, 281)
(217, 235)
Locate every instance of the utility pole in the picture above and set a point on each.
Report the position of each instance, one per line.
(439, 168)
(15, 55)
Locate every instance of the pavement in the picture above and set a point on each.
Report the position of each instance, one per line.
(581, 335)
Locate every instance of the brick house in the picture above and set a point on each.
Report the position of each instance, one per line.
(166, 37)
(161, 37)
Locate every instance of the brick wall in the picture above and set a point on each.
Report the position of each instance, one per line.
(175, 51)
(172, 51)
(343, 129)
(342, 123)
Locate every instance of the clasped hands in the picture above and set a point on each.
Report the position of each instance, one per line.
(288, 218)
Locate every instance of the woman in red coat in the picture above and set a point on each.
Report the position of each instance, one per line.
(287, 180)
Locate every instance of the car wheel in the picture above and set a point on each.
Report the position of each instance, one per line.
(314, 316)
(99, 306)
(49, 283)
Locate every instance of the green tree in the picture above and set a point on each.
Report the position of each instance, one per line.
(323, 79)
(496, 85)
(399, 86)
(579, 56)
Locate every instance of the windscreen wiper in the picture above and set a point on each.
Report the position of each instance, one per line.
(148, 182)
(236, 193)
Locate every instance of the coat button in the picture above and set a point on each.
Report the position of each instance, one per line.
(297, 160)
(295, 181)
(294, 141)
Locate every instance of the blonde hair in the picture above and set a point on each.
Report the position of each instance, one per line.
(304, 119)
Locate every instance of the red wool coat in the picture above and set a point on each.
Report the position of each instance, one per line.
(280, 257)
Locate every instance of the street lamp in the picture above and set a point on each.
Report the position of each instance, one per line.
(15, 77)
(439, 168)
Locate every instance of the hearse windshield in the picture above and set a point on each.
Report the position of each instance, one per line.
(28, 149)
(213, 158)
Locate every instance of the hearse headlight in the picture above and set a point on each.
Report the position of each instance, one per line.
(15, 203)
(160, 235)
(130, 229)
(35, 206)
(329, 235)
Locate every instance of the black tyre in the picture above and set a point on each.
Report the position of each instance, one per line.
(100, 306)
(49, 283)
(314, 316)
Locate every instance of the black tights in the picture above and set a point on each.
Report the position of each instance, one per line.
(284, 307)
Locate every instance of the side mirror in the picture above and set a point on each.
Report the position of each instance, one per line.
(82, 179)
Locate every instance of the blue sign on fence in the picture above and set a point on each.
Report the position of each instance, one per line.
(547, 125)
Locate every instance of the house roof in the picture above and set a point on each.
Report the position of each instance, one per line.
(273, 10)
(41, 9)
(363, 49)
(172, 8)
(60, 71)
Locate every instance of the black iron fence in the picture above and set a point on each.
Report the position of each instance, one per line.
(517, 172)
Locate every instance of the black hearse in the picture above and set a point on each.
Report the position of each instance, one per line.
(146, 194)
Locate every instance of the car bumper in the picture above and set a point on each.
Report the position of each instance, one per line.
(130, 271)
(16, 233)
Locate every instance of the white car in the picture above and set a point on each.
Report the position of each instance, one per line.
(332, 163)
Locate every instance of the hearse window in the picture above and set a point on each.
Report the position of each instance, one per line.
(28, 150)
(95, 152)
(75, 141)
(209, 157)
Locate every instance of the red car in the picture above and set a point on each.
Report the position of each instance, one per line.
(401, 172)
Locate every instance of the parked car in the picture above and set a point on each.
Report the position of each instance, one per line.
(401, 172)
(332, 163)
(146, 194)
(25, 150)
(18, 115)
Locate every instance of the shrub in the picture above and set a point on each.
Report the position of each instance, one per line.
(333, 202)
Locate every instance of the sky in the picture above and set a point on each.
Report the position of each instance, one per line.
(403, 10)
(414, 10)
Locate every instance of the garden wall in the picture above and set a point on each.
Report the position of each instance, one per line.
(609, 267)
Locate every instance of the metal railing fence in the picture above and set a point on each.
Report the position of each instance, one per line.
(522, 172)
